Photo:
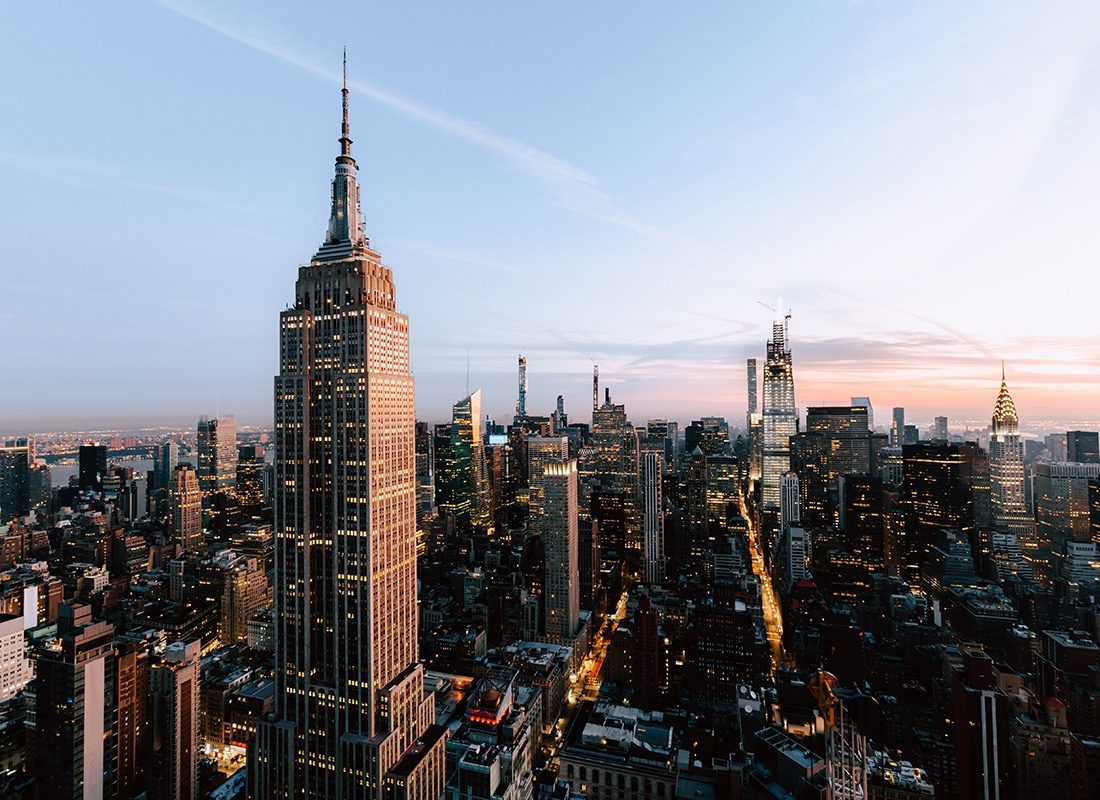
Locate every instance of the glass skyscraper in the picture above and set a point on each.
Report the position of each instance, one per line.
(780, 418)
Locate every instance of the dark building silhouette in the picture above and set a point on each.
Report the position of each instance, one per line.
(93, 466)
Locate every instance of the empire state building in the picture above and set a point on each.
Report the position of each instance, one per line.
(351, 717)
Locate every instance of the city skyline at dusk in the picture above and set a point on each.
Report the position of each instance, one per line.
(903, 180)
(679, 403)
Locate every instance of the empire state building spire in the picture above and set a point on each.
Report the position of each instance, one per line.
(345, 231)
(351, 720)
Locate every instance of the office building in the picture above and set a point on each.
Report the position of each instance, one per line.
(250, 477)
(467, 501)
(16, 459)
(166, 457)
(1083, 447)
(712, 434)
(897, 427)
(939, 429)
(610, 468)
(71, 704)
(186, 504)
(245, 591)
(350, 712)
(836, 442)
(559, 526)
(863, 519)
(16, 670)
(937, 493)
(653, 517)
(790, 501)
(217, 450)
(1006, 467)
(780, 417)
(174, 683)
(132, 728)
(541, 450)
(1062, 512)
(865, 402)
(92, 466)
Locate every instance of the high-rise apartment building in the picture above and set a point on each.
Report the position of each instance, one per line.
(541, 450)
(752, 394)
(186, 502)
(521, 396)
(559, 532)
(174, 683)
(653, 517)
(1083, 447)
(217, 449)
(351, 718)
(780, 417)
(1006, 467)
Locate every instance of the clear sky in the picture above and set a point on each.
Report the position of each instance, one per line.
(618, 182)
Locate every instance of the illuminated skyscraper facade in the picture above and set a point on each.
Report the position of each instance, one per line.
(186, 503)
(351, 718)
(563, 583)
(780, 418)
(521, 396)
(469, 498)
(1006, 467)
(653, 517)
(541, 450)
(217, 446)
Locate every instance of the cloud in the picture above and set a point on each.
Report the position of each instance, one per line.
(574, 188)
(85, 173)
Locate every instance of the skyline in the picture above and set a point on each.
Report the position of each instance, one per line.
(465, 173)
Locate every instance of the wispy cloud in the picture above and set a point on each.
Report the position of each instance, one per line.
(574, 188)
(85, 173)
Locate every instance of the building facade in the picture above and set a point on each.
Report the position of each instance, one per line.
(351, 715)
(1006, 467)
(780, 417)
(563, 602)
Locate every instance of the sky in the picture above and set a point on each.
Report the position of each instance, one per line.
(630, 184)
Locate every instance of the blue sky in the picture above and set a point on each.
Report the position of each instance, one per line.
(617, 182)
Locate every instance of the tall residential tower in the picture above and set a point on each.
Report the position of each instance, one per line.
(351, 718)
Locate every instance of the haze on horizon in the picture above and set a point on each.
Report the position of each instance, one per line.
(609, 185)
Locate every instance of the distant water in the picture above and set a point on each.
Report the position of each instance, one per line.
(60, 473)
